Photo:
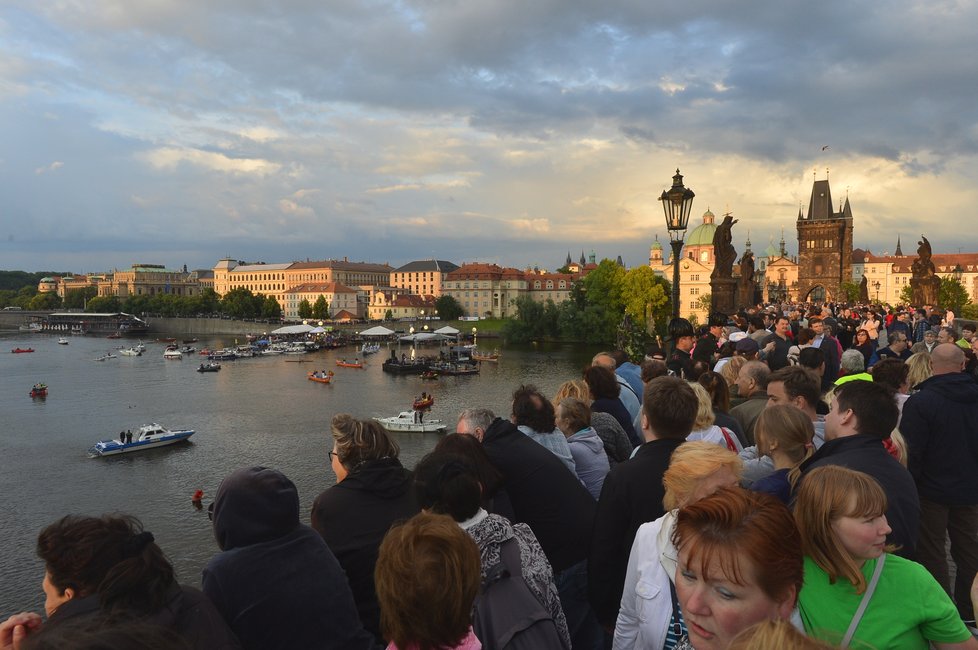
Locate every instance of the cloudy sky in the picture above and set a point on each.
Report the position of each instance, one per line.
(179, 132)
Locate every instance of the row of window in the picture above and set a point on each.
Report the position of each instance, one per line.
(819, 243)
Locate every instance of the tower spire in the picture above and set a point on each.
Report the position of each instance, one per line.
(898, 253)
(783, 252)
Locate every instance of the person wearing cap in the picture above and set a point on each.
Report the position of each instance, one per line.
(926, 345)
(708, 344)
(680, 361)
(275, 581)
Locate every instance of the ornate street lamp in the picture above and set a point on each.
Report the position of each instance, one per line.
(676, 203)
(475, 334)
(876, 285)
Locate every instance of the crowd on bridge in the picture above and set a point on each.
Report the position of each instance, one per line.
(786, 477)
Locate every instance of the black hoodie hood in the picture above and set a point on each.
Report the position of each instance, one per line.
(254, 505)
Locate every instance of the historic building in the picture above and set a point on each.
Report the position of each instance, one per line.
(695, 267)
(887, 275)
(338, 298)
(485, 290)
(148, 280)
(824, 246)
(780, 273)
(276, 279)
(422, 277)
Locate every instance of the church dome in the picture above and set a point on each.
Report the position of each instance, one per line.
(771, 251)
(656, 246)
(702, 235)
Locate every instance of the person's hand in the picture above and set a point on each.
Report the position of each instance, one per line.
(769, 348)
(15, 629)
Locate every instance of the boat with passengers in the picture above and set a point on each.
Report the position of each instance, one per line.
(148, 436)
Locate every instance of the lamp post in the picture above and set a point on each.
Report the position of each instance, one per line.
(876, 285)
(475, 334)
(676, 203)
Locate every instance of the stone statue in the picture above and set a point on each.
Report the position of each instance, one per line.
(746, 287)
(925, 284)
(723, 251)
(864, 289)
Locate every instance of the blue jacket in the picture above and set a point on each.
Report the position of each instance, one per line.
(590, 460)
(940, 423)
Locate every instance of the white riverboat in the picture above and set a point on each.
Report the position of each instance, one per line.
(412, 421)
(148, 436)
(130, 352)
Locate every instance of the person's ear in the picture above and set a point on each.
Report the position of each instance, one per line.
(787, 604)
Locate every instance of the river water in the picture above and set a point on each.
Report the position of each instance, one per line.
(260, 411)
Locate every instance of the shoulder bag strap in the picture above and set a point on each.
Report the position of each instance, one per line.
(864, 603)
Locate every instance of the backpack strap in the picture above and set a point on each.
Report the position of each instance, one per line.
(726, 436)
(864, 603)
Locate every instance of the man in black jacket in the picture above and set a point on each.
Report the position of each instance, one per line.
(940, 422)
(550, 499)
(860, 417)
(632, 492)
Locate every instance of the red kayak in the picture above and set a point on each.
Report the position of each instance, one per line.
(21, 350)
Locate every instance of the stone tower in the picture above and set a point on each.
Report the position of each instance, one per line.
(824, 247)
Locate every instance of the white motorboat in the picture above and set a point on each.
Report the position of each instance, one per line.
(370, 348)
(172, 354)
(148, 436)
(130, 352)
(412, 421)
(62, 341)
(140, 347)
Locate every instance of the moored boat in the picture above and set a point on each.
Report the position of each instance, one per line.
(209, 366)
(172, 354)
(322, 377)
(39, 390)
(370, 348)
(429, 374)
(62, 341)
(148, 436)
(411, 421)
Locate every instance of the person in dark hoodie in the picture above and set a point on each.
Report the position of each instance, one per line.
(939, 422)
(107, 571)
(275, 582)
(372, 491)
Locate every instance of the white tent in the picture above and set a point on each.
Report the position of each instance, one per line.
(425, 336)
(448, 329)
(318, 330)
(380, 330)
(293, 329)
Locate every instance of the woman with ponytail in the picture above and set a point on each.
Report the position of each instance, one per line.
(784, 433)
(108, 569)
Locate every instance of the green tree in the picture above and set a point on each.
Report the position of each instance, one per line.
(271, 309)
(646, 298)
(104, 305)
(601, 292)
(388, 315)
(47, 300)
(305, 309)
(320, 308)
(448, 308)
(906, 294)
(76, 298)
(952, 295)
(241, 303)
(533, 321)
(850, 291)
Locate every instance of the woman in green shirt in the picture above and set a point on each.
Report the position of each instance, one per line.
(855, 592)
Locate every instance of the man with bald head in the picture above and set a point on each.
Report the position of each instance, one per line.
(940, 423)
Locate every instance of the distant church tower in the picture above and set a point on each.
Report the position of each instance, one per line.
(824, 247)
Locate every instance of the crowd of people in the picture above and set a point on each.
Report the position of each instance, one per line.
(788, 477)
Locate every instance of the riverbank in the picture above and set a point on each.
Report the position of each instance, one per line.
(12, 321)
